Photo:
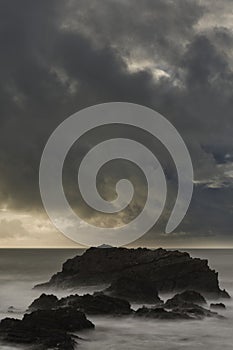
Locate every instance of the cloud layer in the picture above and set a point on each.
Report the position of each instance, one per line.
(174, 56)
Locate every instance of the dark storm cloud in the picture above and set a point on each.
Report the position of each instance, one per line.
(58, 57)
(144, 28)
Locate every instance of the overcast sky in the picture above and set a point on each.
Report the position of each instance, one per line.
(174, 56)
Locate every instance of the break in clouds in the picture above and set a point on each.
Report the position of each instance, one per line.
(176, 57)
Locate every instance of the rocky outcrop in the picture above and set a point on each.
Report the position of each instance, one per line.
(53, 320)
(46, 328)
(187, 312)
(190, 304)
(44, 302)
(179, 300)
(138, 289)
(218, 306)
(161, 314)
(179, 308)
(169, 271)
(96, 304)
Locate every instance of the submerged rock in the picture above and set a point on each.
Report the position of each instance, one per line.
(169, 271)
(47, 328)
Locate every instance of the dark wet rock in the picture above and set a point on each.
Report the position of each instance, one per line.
(188, 311)
(195, 311)
(181, 299)
(44, 302)
(161, 314)
(135, 289)
(97, 304)
(68, 319)
(8, 323)
(46, 328)
(190, 303)
(218, 306)
(169, 271)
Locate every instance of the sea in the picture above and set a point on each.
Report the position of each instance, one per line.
(21, 269)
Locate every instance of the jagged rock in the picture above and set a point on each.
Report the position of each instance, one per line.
(188, 311)
(169, 271)
(68, 319)
(8, 323)
(195, 311)
(44, 302)
(181, 299)
(161, 314)
(47, 328)
(217, 306)
(134, 288)
(189, 303)
(97, 304)
(100, 304)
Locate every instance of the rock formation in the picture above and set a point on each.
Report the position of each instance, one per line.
(96, 304)
(218, 306)
(52, 321)
(184, 298)
(44, 302)
(46, 329)
(138, 289)
(169, 271)
(186, 312)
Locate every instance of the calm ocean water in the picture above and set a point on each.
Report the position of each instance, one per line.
(21, 269)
